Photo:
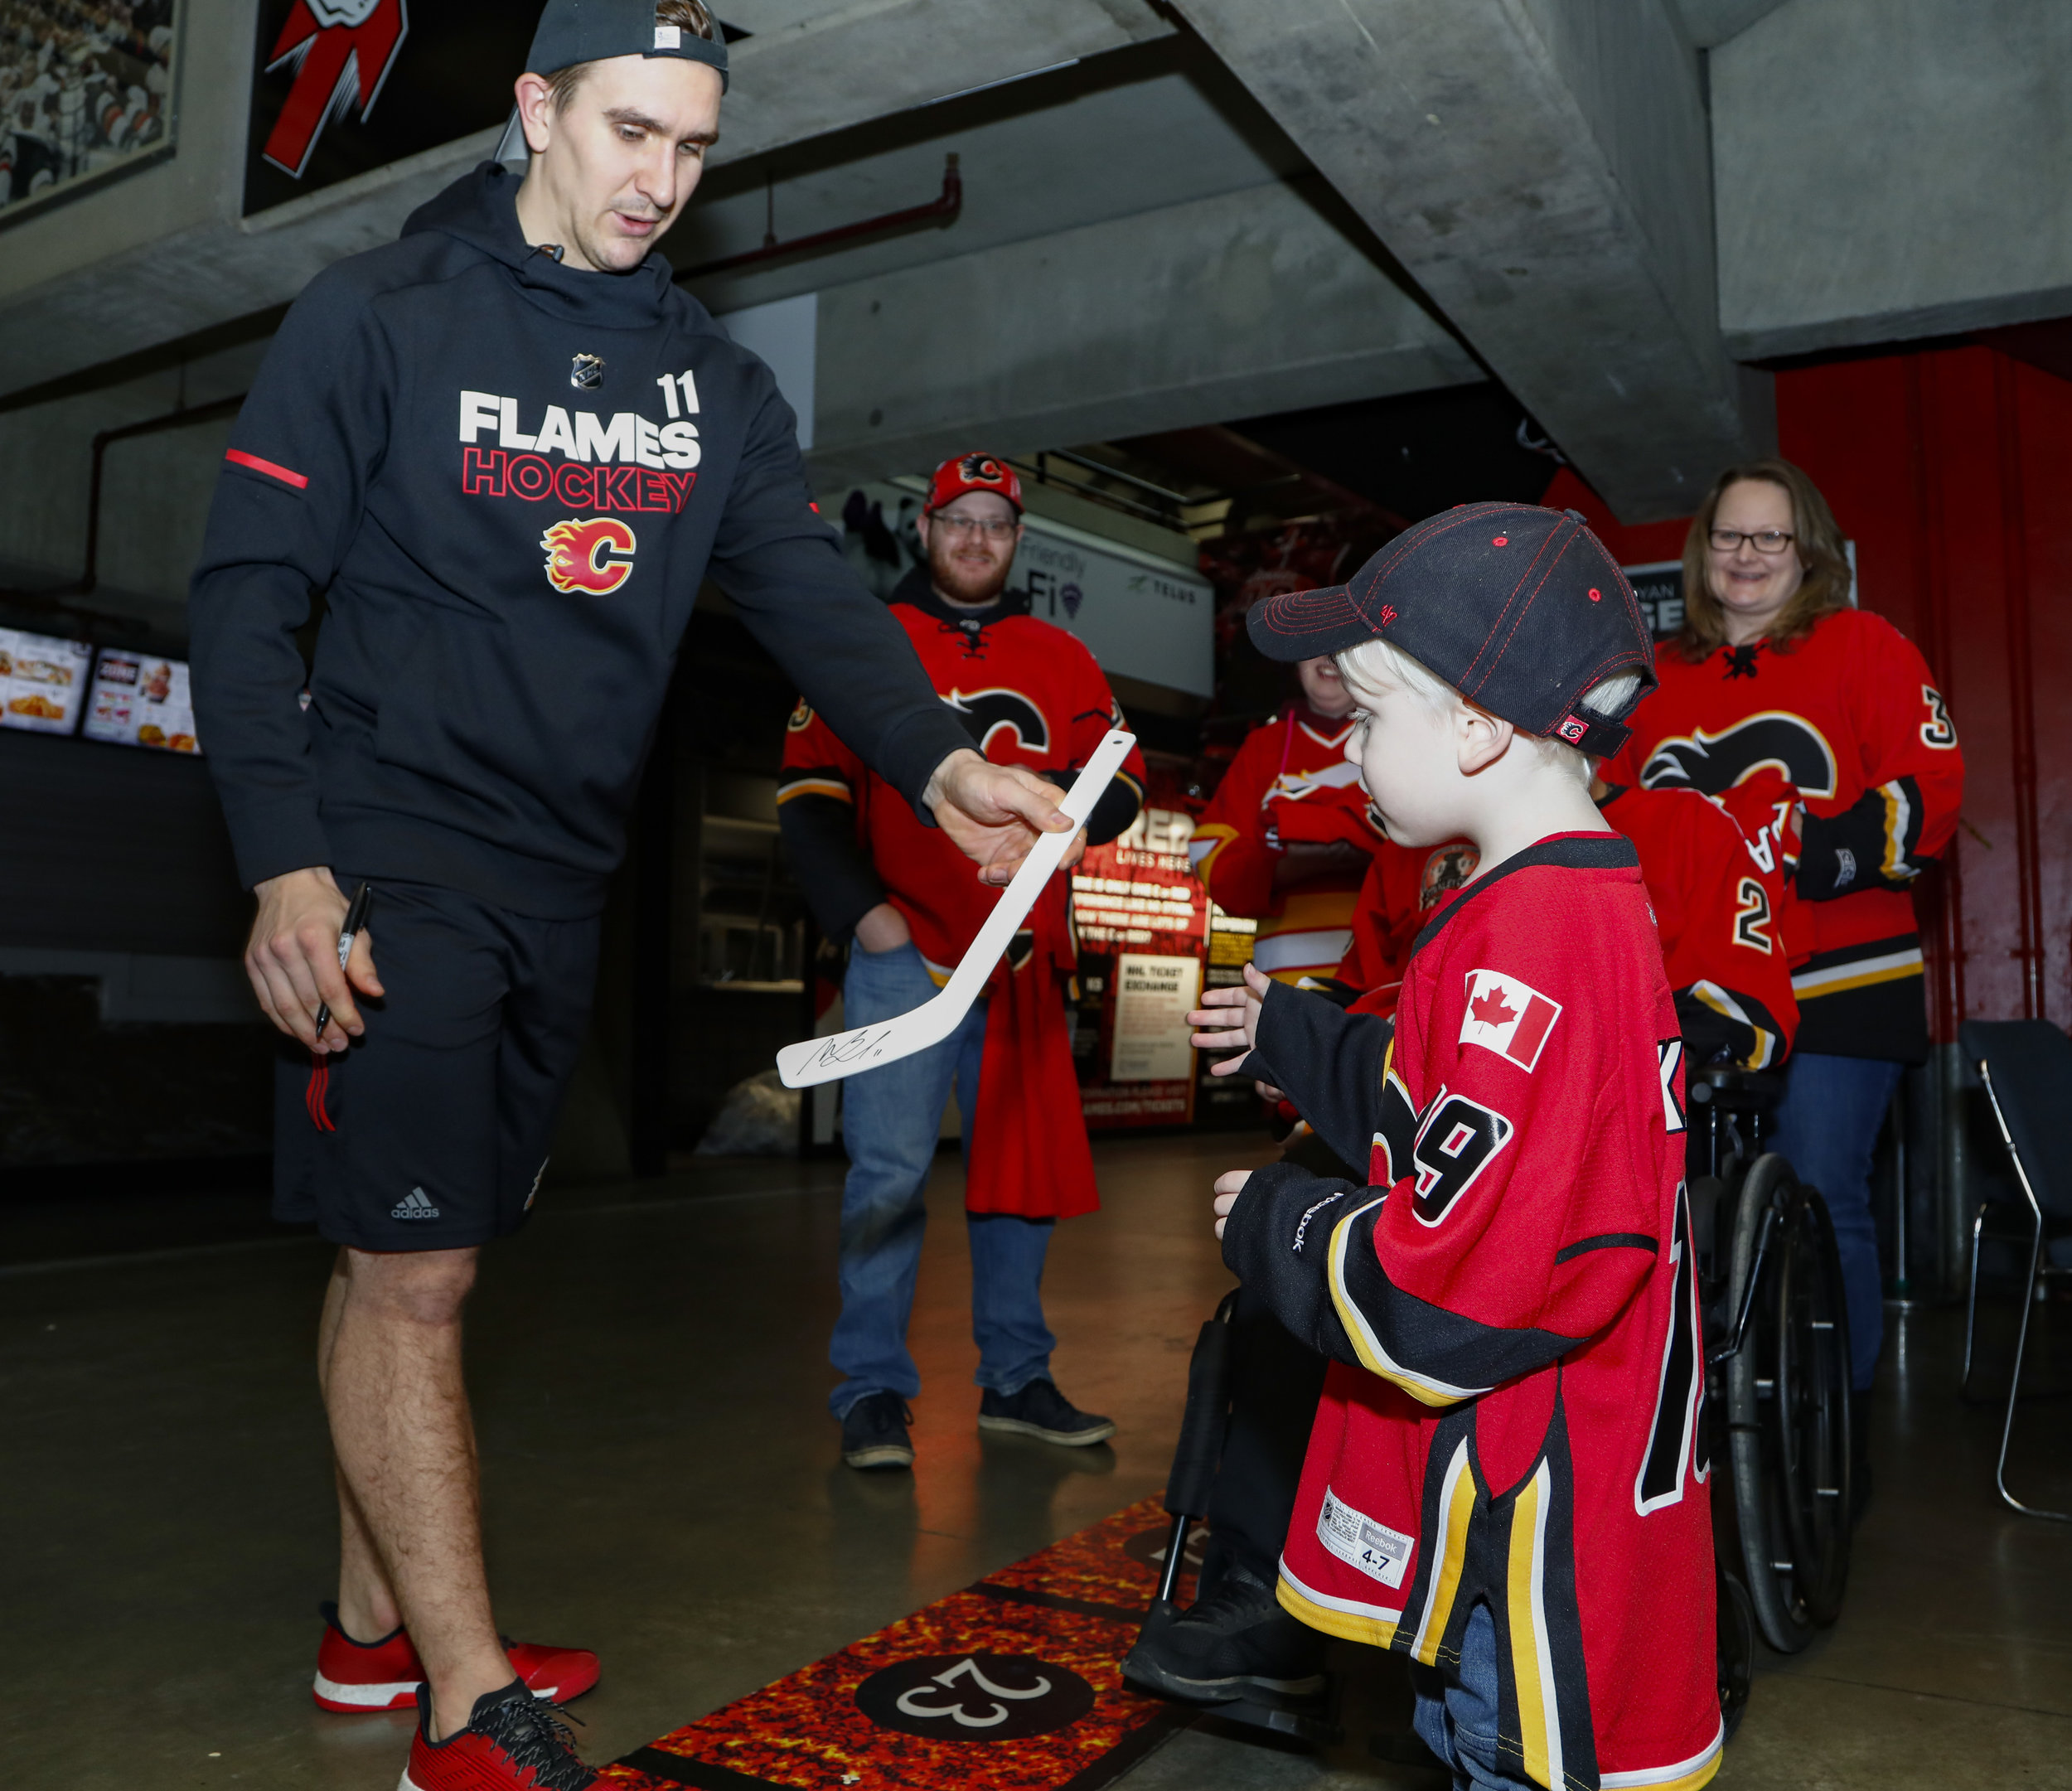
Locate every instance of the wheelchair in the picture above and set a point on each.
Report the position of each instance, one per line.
(1777, 1396)
(1777, 1379)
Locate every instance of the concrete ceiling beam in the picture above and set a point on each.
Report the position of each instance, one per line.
(1233, 306)
(1541, 169)
(1711, 22)
(1892, 169)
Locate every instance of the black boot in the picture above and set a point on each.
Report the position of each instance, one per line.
(1236, 1642)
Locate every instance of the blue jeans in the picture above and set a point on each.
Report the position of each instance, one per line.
(1828, 1124)
(891, 1119)
(1456, 1714)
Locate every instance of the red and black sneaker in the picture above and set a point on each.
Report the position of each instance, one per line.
(352, 1676)
(513, 1742)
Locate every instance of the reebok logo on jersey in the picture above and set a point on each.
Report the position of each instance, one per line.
(416, 1204)
(1508, 1017)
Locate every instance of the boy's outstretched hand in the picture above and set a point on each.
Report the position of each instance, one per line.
(1218, 1028)
(1229, 1186)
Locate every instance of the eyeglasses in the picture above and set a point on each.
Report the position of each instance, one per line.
(1763, 540)
(993, 528)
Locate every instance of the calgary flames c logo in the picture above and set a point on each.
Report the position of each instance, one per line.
(596, 556)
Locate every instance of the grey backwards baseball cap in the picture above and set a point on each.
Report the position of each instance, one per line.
(594, 31)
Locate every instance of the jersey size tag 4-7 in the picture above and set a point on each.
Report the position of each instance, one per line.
(1379, 1552)
(1509, 1017)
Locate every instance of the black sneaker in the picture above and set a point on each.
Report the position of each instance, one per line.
(1236, 1642)
(875, 1432)
(1040, 1410)
(513, 1742)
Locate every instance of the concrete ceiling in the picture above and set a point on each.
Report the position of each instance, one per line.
(1134, 131)
(1173, 205)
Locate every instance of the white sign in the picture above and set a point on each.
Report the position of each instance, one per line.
(1141, 616)
(1152, 1043)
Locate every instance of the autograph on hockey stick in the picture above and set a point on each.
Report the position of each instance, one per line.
(864, 1048)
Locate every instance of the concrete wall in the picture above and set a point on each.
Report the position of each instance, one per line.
(1230, 307)
(1891, 169)
(192, 189)
(156, 488)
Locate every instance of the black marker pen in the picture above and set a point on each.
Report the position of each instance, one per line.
(356, 919)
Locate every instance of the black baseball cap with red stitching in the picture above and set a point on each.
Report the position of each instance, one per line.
(1520, 609)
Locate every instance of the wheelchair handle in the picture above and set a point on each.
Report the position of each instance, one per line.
(1726, 1352)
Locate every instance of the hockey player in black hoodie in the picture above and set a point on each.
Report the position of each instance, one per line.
(508, 449)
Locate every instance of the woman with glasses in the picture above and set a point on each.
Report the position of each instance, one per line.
(1775, 668)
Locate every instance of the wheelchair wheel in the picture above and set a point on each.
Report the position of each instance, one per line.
(1787, 1410)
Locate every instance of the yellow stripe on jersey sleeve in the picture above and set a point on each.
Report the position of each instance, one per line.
(1532, 1659)
(833, 786)
(1456, 1505)
(1374, 1357)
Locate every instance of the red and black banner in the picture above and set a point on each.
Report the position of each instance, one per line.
(343, 87)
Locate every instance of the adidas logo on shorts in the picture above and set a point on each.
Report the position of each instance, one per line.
(416, 1204)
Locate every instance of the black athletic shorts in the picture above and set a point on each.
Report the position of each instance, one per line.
(431, 1132)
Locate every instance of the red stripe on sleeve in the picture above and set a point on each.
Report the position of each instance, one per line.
(238, 457)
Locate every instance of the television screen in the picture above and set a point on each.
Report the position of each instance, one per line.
(140, 699)
(42, 682)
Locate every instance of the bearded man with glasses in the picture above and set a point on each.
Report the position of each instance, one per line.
(1030, 695)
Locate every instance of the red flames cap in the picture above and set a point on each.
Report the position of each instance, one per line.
(973, 473)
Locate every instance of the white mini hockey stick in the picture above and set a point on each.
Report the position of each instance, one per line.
(864, 1048)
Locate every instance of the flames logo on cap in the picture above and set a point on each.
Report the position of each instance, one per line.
(981, 469)
(341, 52)
(595, 557)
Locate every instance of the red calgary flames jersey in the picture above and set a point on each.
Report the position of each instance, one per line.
(1290, 782)
(1718, 873)
(1850, 717)
(1404, 884)
(1030, 694)
(1514, 1411)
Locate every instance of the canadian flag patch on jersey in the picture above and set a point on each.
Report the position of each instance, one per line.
(1509, 1017)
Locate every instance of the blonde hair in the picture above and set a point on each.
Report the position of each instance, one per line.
(1364, 664)
(1816, 539)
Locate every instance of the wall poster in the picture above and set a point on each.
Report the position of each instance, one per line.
(342, 87)
(86, 94)
(1141, 919)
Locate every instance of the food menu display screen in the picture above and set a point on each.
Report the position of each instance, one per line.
(42, 682)
(140, 699)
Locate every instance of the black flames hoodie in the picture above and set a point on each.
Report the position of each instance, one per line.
(510, 477)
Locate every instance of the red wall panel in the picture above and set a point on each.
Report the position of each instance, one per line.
(1951, 469)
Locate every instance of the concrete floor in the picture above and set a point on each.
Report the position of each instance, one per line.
(663, 1484)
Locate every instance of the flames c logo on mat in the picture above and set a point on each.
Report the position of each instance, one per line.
(595, 557)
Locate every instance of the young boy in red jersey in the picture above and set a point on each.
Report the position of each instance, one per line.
(1505, 1480)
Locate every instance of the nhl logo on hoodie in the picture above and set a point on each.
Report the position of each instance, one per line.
(595, 557)
(1508, 1017)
